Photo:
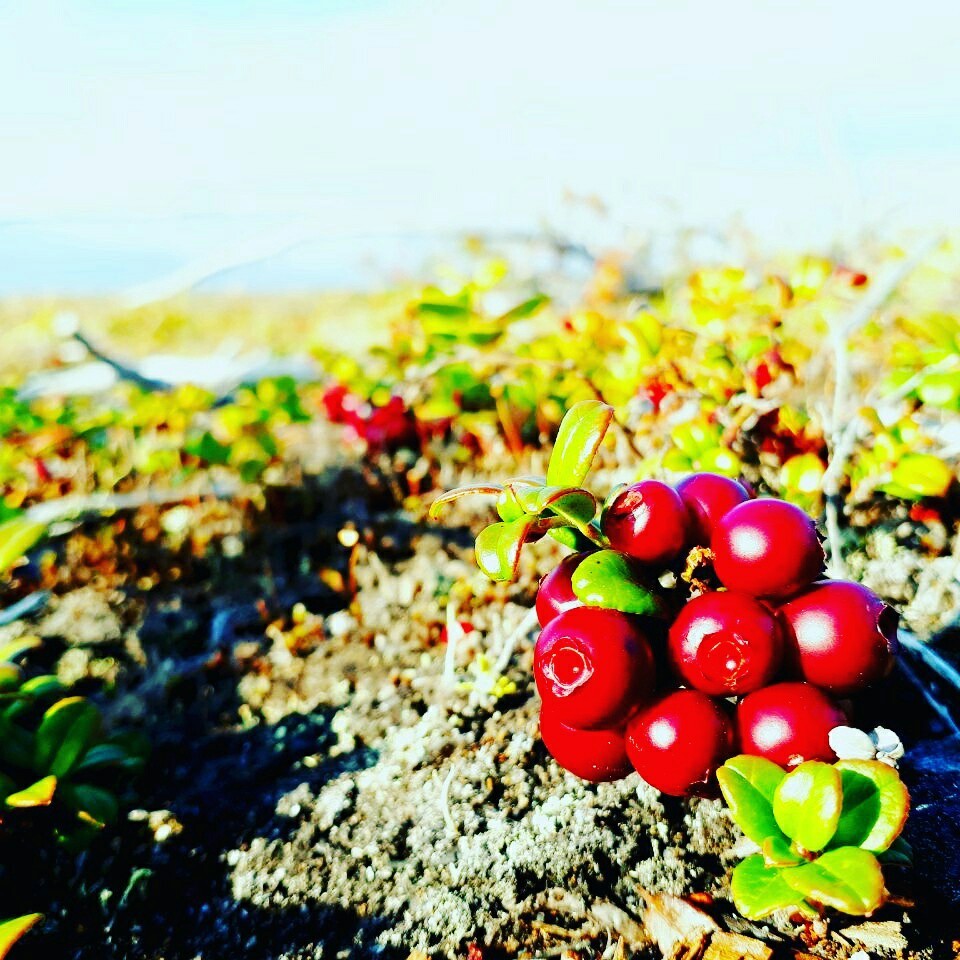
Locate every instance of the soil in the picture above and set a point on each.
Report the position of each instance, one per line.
(323, 784)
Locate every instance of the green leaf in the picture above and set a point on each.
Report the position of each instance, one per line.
(578, 440)
(875, 805)
(748, 785)
(93, 805)
(918, 475)
(498, 547)
(108, 755)
(451, 495)
(759, 890)
(847, 879)
(10, 651)
(209, 449)
(777, 852)
(571, 538)
(10, 677)
(38, 794)
(807, 804)
(12, 930)
(32, 690)
(17, 536)
(611, 580)
(65, 733)
(899, 854)
(16, 744)
(526, 309)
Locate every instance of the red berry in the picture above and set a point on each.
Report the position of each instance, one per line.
(842, 635)
(725, 643)
(767, 548)
(592, 666)
(788, 723)
(678, 742)
(708, 497)
(595, 755)
(647, 521)
(555, 593)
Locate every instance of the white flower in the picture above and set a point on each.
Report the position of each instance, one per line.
(882, 744)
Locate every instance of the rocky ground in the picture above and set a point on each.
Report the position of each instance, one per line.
(333, 780)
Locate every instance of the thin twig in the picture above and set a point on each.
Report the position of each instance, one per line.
(938, 708)
(528, 623)
(445, 801)
(123, 370)
(70, 508)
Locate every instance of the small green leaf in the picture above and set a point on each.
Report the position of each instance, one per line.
(571, 538)
(10, 677)
(17, 536)
(16, 744)
(65, 733)
(93, 805)
(12, 930)
(777, 852)
(451, 495)
(807, 804)
(38, 794)
(918, 475)
(108, 755)
(498, 547)
(759, 890)
(748, 785)
(611, 580)
(875, 805)
(899, 854)
(847, 879)
(578, 440)
(526, 309)
(10, 651)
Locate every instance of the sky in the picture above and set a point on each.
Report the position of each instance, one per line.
(145, 138)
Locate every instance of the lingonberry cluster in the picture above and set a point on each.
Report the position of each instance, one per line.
(757, 655)
(695, 621)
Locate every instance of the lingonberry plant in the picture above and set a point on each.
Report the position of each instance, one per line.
(823, 831)
(724, 592)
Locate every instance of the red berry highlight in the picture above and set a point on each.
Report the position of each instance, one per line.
(725, 643)
(647, 521)
(788, 723)
(677, 743)
(595, 755)
(841, 635)
(555, 593)
(593, 666)
(766, 548)
(708, 497)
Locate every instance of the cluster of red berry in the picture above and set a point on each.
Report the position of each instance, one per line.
(384, 427)
(621, 691)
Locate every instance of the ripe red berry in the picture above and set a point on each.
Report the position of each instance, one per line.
(788, 723)
(725, 643)
(595, 755)
(555, 593)
(843, 637)
(708, 497)
(592, 666)
(677, 743)
(767, 548)
(647, 521)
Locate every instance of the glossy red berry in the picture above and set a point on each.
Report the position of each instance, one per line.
(708, 497)
(593, 666)
(841, 635)
(767, 548)
(726, 643)
(677, 742)
(788, 723)
(647, 521)
(555, 593)
(595, 755)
